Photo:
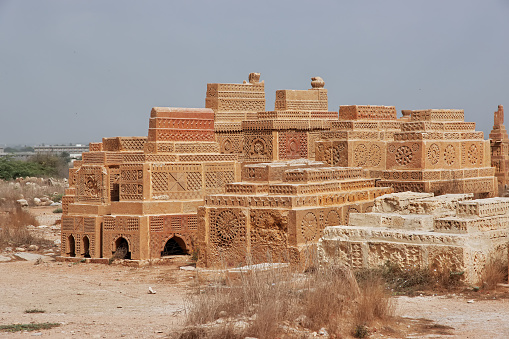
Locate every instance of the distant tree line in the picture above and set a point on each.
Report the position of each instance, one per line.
(18, 149)
(39, 165)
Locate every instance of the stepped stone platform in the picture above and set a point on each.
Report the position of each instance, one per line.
(449, 232)
(279, 211)
(437, 151)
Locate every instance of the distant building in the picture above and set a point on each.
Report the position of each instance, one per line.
(16, 155)
(74, 151)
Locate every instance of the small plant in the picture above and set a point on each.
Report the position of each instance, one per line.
(35, 310)
(361, 331)
(57, 197)
(57, 210)
(195, 254)
(28, 327)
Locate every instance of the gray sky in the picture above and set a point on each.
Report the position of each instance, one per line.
(77, 71)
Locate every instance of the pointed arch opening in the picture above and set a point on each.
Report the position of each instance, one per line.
(174, 246)
(121, 249)
(86, 247)
(71, 246)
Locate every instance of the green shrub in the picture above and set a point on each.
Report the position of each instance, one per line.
(57, 197)
(27, 327)
(39, 165)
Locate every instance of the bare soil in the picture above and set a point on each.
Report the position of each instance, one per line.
(93, 300)
(112, 301)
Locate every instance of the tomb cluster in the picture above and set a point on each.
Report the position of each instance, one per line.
(234, 183)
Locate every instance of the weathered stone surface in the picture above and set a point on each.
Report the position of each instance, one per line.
(499, 143)
(22, 202)
(455, 233)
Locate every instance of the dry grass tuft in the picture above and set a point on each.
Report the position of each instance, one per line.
(14, 231)
(373, 302)
(271, 303)
(495, 272)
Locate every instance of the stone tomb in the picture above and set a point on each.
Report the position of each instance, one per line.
(499, 143)
(359, 137)
(141, 194)
(436, 151)
(278, 211)
(243, 127)
(417, 230)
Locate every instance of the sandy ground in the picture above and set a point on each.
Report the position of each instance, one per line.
(112, 301)
(93, 300)
(479, 318)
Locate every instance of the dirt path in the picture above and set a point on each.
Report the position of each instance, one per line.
(477, 319)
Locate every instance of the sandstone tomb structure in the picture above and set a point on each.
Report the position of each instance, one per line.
(499, 142)
(233, 179)
(450, 233)
(279, 211)
(137, 197)
(243, 127)
(437, 152)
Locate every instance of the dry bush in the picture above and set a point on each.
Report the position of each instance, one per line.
(221, 332)
(446, 279)
(14, 232)
(269, 303)
(374, 302)
(398, 279)
(408, 281)
(495, 272)
(264, 293)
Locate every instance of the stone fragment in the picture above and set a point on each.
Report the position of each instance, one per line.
(22, 202)
(32, 256)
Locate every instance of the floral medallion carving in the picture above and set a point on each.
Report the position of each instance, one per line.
(449, 155)
(434, 154)
(309, 226)
(404, 155)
